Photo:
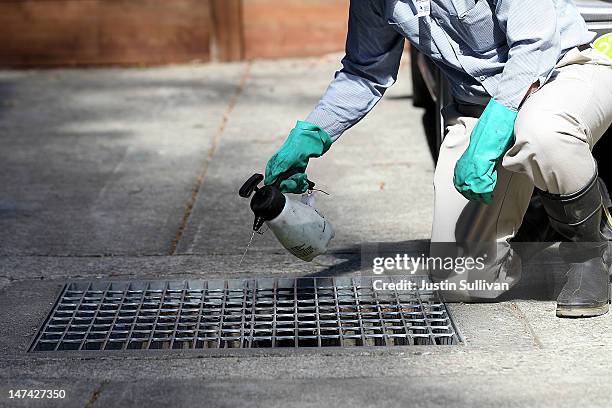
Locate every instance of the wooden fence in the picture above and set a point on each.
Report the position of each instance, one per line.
(150, 32)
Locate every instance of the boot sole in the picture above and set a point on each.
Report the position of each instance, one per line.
(581, 311)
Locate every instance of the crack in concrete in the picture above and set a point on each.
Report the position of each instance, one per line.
(95, 394)
(525, 321)
(211, 152)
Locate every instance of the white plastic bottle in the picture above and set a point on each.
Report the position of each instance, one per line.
(297, 225)
(301, 229)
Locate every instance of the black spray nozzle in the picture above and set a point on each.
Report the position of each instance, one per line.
(250, 185)
(268, 201)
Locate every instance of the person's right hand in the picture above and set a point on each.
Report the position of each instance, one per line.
(305, 140)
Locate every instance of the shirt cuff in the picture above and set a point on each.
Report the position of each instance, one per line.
(511, 100)
(326, 121)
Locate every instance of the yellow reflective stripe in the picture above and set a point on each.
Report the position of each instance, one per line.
(604, 44)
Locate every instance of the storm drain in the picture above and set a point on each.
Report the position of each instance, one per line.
(247, 313)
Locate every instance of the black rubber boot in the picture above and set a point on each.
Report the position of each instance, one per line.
(535, 233)
(578, 218)
(606, 224)
(606, 220)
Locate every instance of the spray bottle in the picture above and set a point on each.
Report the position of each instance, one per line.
(297, 225)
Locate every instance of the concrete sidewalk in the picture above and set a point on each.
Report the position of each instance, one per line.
(133, 174)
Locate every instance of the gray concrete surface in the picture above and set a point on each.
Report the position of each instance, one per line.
(103, 161)
(133, 173)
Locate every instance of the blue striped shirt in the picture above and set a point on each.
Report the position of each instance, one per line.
(486, 48)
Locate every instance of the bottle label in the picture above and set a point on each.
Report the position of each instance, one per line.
(302, 251)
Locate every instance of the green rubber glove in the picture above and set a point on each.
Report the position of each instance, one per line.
(475, 174)
(305, 140)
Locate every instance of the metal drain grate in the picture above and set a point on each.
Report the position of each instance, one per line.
(262, 313)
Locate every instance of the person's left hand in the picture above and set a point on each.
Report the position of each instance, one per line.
(475, 173)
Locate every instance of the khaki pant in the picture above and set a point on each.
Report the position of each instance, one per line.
(556, 129)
